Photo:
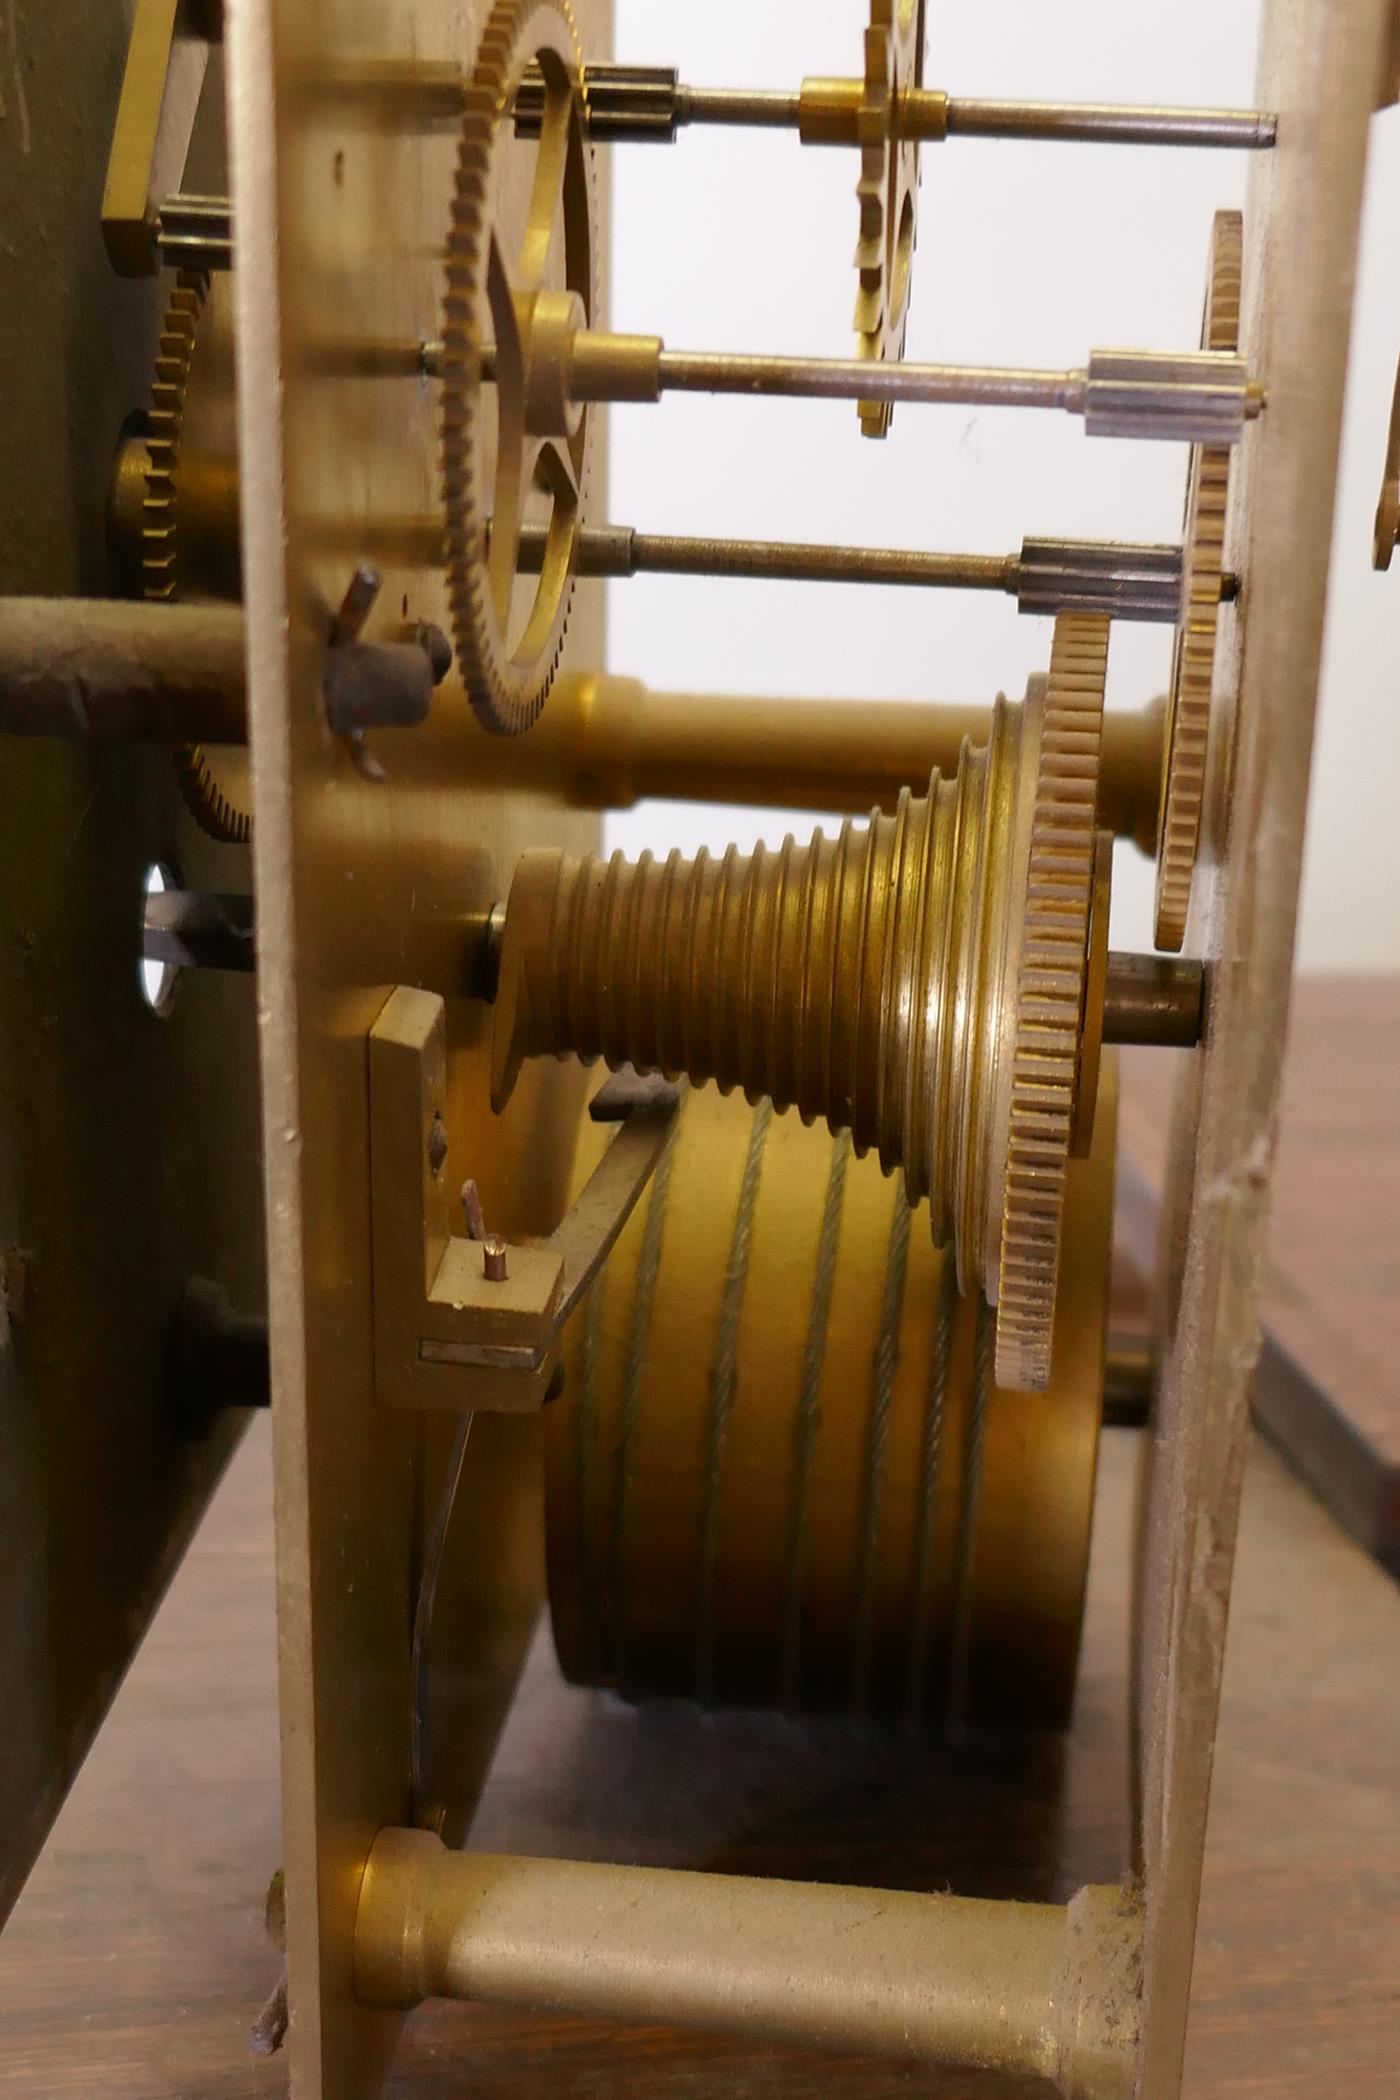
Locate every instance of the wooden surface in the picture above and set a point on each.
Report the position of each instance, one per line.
(1328, 1387)
(136, 1958)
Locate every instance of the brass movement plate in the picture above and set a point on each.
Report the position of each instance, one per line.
(342, 187)
(1321, 69)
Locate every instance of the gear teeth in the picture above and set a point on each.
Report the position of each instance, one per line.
(1193, 658)
(159, 549)
(889, 175)
(506, 694)
(204, 796)
(1051, 982)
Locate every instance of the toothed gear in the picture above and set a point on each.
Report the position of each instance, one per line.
(1052, 978)
(888, 191)
(491, 462)
(1202, 570)
(209, 782)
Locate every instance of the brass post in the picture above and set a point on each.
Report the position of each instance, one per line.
(607, 743)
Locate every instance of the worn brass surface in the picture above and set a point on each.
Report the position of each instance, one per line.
(778, 1472)
(342, 196)
(1030, 1988)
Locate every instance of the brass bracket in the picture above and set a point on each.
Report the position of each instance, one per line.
(166, 61)
(447, 1334)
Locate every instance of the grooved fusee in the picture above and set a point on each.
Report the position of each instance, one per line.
(866, 978)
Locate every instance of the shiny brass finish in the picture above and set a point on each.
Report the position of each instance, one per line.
(778, 1474)
(1193, 659)
(525, 284)
(1036, 1989)
(913, 981)
(608, 743)
(887, 193)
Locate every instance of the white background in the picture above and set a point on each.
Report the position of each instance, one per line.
(1028, 254)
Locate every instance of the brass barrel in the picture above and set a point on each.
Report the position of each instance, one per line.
(779, 1473)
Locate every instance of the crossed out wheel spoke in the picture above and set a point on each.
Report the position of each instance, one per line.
(516, 453)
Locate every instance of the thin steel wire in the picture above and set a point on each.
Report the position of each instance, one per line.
(964, 1578)
(723, 1387)
(808, 1417)
(586, 1456)
(420, 1651)
(638, 1336)
(884, 1369)
(930, 1467)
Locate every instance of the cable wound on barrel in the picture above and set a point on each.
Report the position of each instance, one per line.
(772, 1481)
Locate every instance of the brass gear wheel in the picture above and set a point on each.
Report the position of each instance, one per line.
(1062, 873)
(887, 192)
(1193, 658)
(923, 981)
(188, 513)
(520, 266)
